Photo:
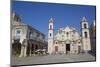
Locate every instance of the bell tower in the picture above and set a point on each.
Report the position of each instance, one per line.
(50, 35)
(85, 35)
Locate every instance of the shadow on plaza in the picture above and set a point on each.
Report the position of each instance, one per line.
(77, 58)
(92, 53)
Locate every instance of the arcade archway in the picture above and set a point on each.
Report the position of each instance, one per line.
(16, 47)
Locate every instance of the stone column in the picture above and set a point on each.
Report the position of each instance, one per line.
(34, 48)
(25, 49)
(22, 51)
(64, 47)
(72, 47)
(39, 48)
(22, 48)
(30, 44)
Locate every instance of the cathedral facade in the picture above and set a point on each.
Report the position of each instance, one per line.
(68, 39)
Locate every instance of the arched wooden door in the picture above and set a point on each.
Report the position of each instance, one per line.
(16, 47)
(56, 48)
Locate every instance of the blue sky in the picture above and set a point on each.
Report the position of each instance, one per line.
(38, 14)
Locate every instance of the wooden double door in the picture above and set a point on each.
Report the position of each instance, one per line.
(56, 48)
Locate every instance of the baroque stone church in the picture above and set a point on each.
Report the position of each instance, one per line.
(68, 39)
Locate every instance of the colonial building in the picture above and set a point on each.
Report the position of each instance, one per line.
(68, 39)
(93, 36)
(29, 38)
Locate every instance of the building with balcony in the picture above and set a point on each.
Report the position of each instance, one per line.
(29, 38)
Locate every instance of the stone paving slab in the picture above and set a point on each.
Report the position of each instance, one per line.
(52, 59)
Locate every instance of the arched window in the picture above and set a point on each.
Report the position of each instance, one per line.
(56, 42)
(85, 34)
(50, 26)
(50, 34)
(67, 33)
(30, 35)
(85, 26)
(18, 34)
